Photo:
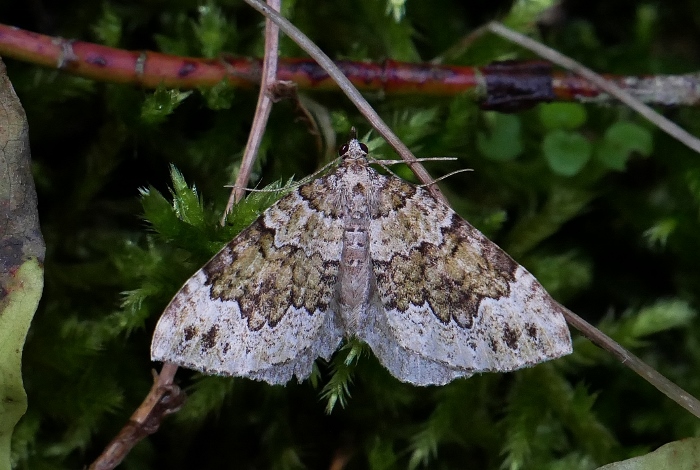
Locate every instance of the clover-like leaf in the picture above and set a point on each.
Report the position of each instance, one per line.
(566, 152)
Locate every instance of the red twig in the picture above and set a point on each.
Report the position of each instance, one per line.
(150, 69)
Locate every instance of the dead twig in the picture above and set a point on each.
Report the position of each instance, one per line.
(262, 111)
(651, 375)
(163, 399)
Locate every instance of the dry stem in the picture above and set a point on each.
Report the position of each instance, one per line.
(262, 111)
(163, 399)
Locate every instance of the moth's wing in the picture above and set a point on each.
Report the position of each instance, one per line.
(452, 296)
(405, 364)
(263, 307)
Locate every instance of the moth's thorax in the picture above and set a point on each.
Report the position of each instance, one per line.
(355, 185)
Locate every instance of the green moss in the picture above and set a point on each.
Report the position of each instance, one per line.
(616, 240)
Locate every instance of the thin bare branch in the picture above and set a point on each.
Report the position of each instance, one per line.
(661, 383)
(262, 111)
(163, 399)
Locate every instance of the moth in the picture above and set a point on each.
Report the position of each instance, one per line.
(359, 254)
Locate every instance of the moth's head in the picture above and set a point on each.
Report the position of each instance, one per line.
(353, 150)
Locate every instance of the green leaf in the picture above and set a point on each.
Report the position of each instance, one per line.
(678, 455)
(108, 28)
(395, 39)
(186, 201)
(566, 152)
(158, 211)
(19, 306)
(212, 30)
(186, 221)
(220, 96)
(692, 178)
(634, 325)
(159, 105)
(337, 389)
(207, 395)
(424, 444)
(22, 252)
(246, 211)
(658, 233)
(646, 23)
(524, 15)
(414, 124)
(183, 220)
(633, 136)
(620, 140)
(381, 455)
(567, 116)
(562, 275)
(503, 141)
(396, 8)
(563, 204)
(662, 316)
(177, 41)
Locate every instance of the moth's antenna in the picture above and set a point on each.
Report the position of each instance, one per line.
(384, 163)
(290, 187)
(443, 177)
(425, 159)
(353, 133)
